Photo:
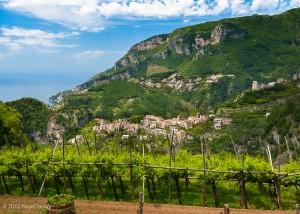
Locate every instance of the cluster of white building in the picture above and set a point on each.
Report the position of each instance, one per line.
(176, 126)
(215, 78)
(155, 125)
(152, 122)
(218, 122)
(116, 126)
(257, 86)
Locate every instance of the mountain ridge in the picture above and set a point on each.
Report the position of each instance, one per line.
(189, 50)
(187, 72)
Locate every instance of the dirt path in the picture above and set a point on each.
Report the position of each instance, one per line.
(16, 204)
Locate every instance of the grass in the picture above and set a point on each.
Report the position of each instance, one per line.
(258, 197)
(155, 69)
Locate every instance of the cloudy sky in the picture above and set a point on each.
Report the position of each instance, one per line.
(88, 36)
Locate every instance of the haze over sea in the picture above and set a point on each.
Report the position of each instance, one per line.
(41, 87)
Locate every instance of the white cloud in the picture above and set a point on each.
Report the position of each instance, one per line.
(42, 42)
(89, 54)
(264, 5)
(95, 15)
(34, 33)
(295, 3)
(218, 6)
(16, 39)
(75, 14)
(239, 7)
(151, 8)
(10, 45)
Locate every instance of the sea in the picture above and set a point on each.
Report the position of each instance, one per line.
(41, 87)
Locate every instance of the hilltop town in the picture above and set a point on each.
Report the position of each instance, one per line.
(155, 125)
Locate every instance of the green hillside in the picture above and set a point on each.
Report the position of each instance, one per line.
(10, 126)
(35, 115)
(192, 69)
(240, 76)
(259, 46)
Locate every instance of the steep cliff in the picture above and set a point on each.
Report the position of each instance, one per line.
(238, 50)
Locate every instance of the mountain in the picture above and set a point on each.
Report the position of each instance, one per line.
(192, 69)
(258, 47)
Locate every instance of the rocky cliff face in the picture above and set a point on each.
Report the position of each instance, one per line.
(119, 76)
(127, 60)
(150, 43)
(219, 34)
(162, 55)
(54, 130)
(182, 45)
(133, 58)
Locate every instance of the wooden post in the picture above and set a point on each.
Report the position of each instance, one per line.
(64, 167)
(204, 172)
(149, 188)
(56, 144)
(278, 188)
(99, 169)
(288, 148)
(214, 188)
(295, 148)
(141, 203)
(297, 209)
(1, 188)
(5, 185)
(170, 164)
(143, 185)
(43, 183)
(29, 180)
(270, 157)
(85, 183)
(243, 202)
(114, 188)
(234, 147)
(226, 209)
(131, 170)
(100, 182)
(277, 179)
(100, 173)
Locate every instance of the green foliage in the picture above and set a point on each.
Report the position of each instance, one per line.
(261, 48)
(286, 117)
(13, 162)
(35, 115)
(122, 99)
(10, 125)
(60, 200)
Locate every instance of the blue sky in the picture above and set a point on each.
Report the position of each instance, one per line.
(85, 37)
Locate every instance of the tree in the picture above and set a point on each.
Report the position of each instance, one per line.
(10, 125)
